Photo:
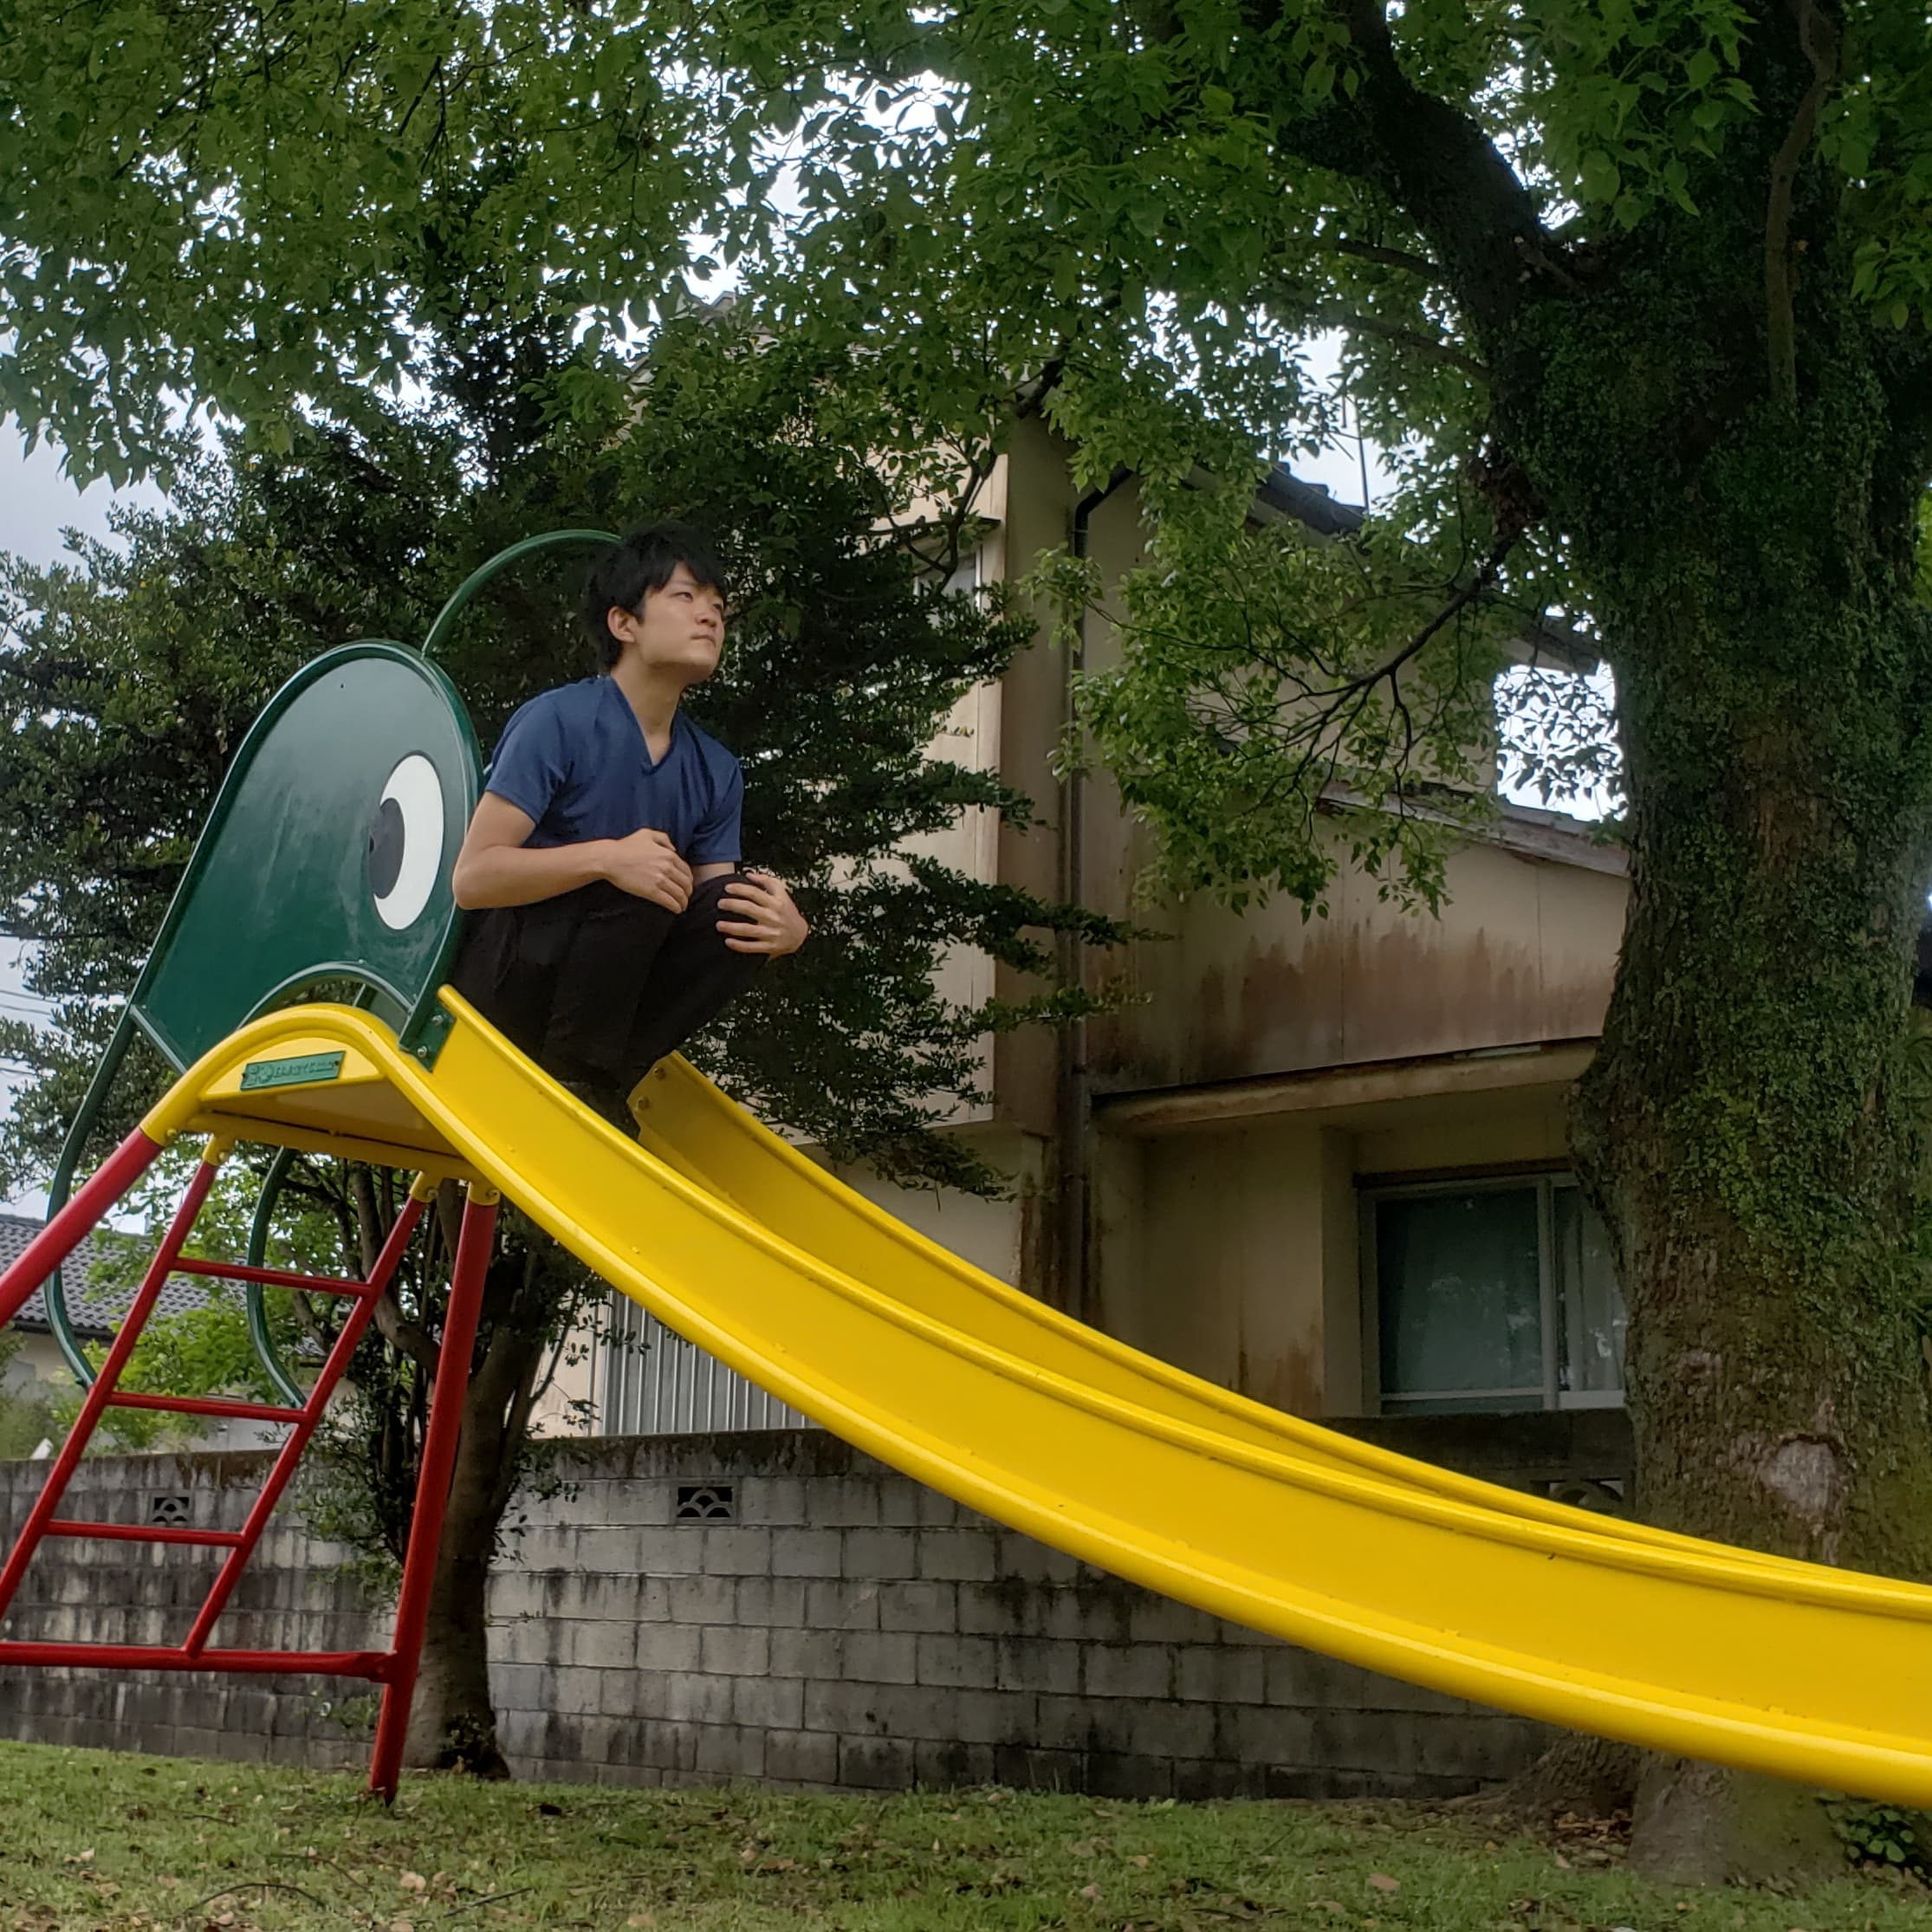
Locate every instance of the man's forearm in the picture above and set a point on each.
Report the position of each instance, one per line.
(523, 875)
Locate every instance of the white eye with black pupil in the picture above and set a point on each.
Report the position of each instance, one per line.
(406, 842)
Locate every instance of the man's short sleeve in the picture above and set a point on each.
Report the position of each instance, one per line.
(719, 837)
(532, 760)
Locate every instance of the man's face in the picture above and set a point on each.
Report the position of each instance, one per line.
(680, 628)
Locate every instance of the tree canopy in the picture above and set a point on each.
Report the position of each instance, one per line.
(1636, 297)
(1130, 215)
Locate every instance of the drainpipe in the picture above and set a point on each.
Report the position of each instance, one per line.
(1072, 1098)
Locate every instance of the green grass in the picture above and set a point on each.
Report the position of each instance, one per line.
(93, 1839)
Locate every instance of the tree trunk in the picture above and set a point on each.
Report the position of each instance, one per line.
(1700, 1825)
(452, 1723)
(531, 1295)
(1744, 1129)
(1584, 1776)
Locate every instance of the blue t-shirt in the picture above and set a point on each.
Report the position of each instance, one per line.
(576, 760)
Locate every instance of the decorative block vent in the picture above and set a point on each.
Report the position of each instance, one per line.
(1602, 1497)
(171, 1512)
(706, 1502)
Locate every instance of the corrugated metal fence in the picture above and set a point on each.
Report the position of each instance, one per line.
(650, 1382)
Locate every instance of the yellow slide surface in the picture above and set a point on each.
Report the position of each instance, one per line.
(743, 1245)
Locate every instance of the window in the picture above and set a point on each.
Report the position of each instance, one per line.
(1490, 1295)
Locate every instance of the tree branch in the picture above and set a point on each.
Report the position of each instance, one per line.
(406, 1337)
(517, 1424)
(1818, 38)
(1436, 348)
(1389, 257)
(1434, 163)
(1478, 587)
(369, 1226)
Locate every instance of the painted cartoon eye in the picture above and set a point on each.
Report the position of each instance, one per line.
(406, 842)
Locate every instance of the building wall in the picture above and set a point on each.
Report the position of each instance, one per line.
(1038, 505)
(1525, 949)
(1000, 1234)
(39, 1360)
(846, 1629)
(1229, 1246)
(1232, 1250)
(1216, 1257)
(1524, 952)
(40, 1370)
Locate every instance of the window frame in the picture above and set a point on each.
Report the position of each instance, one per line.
(1550, 1398)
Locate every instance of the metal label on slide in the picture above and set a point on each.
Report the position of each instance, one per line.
(304, 1070)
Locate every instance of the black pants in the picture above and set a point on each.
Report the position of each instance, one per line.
(597, 985)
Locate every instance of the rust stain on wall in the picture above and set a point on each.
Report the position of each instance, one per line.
(1289, 1379)
(1228, 1002)
(1408, 993)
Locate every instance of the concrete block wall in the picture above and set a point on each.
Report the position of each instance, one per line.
(292, 1595)
(846, 1628)
(851, 1628)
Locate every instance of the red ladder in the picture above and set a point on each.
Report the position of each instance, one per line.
(394, 1668)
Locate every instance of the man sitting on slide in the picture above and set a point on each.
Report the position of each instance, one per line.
(603, 860)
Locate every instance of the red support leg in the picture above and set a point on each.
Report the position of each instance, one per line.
(65, 1232)
(91, 1409)
(432, 1486)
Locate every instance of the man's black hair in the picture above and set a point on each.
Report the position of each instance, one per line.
(642, 560)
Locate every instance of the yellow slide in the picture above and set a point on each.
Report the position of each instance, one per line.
(745, 1246)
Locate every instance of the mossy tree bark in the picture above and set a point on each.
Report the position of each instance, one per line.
(1744, 521)
(1733, 447)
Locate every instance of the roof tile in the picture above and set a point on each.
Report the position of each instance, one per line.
(94, 1313)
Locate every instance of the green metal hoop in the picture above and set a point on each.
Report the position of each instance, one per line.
(504, 560)
(272, 1184)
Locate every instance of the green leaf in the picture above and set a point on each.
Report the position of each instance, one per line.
(1599, 177)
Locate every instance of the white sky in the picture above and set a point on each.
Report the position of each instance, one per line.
(36, 501)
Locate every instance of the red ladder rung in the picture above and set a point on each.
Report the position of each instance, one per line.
(353, 1326)
(144, 1533)
(376, 1664)
(275, 1277)
(207, 1405)
(396, 1668)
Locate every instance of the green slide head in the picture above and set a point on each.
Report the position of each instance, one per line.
(327, 859)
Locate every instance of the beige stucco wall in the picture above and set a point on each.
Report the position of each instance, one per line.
(1233, 1251)
(1219, 1251)
(1524, 949)
(1000, 1234)
(39, 1367)
(1230, 1246)
(38, 1360)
